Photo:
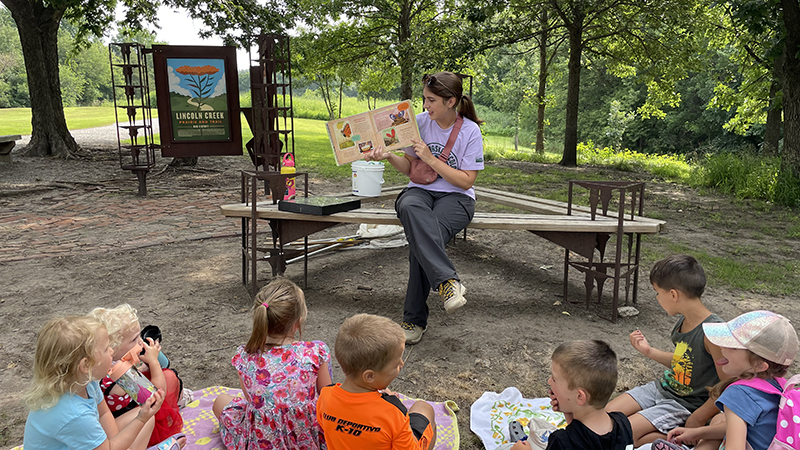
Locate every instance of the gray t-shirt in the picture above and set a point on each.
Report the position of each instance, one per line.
(467, 152)
(692, 368)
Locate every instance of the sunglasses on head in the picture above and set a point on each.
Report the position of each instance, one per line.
(430, 81)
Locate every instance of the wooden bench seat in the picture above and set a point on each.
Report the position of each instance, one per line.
(490, 221)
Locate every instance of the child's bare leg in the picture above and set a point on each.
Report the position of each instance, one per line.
(648, 438)
(643, 430)
(426, 410)
(140, 443)
(220, 403)
(625, 404)
(711, 444)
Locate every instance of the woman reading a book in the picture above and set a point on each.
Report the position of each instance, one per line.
(436, 206)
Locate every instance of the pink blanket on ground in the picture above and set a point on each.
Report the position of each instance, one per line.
(202, 428)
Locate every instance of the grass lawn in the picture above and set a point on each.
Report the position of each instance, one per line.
(18, 120)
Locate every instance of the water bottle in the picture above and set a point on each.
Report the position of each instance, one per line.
(127, 376)
(288, 167)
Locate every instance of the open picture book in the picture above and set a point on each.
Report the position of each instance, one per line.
(391, 126)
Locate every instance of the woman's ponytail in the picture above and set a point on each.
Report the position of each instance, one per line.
(467, 109)
(448, 85)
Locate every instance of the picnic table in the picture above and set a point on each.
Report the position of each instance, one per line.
(583, 231)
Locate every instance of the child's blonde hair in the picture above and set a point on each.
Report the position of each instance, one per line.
(60, 347)
(276, 309)
(590, 365)
(365, 342)
(118, 321)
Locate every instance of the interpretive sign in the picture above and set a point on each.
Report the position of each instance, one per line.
(198, 100)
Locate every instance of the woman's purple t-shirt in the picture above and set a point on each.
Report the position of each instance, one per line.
(467, 152)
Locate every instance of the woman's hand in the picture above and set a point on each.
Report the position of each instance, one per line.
(377, 154)
(423, 152)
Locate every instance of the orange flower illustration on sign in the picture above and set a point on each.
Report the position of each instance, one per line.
(200, 79)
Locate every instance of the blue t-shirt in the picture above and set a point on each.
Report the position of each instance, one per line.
(467, 152)
(758, 409)
(73, 423)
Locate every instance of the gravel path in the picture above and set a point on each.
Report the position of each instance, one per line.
(105, 135)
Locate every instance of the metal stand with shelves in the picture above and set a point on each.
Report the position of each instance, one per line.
(129, 76)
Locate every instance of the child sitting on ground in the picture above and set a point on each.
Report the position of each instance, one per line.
(756, 345)
(124, 333)
(67, 407)
(583, 375)
(361, 413)
(280, 378)
(659, 406)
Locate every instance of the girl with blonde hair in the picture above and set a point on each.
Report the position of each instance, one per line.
(124, 333)
(67, 410)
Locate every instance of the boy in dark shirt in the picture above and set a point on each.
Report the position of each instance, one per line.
(583, 377)
(680, 395)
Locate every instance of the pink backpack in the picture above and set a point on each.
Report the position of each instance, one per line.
(787, 435)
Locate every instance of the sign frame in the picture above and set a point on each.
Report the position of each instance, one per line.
(229, 143)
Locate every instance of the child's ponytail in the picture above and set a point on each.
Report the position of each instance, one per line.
(276, 309)
(60, 347)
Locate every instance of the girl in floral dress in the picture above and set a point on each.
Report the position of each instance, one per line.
(280, 378)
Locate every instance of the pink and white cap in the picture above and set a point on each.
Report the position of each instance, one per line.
(768, 335)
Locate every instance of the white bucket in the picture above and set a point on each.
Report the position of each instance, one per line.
(367, 178)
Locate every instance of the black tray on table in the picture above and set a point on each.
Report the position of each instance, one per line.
(319, 206)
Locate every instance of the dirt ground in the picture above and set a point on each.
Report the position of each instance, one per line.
(73, 236)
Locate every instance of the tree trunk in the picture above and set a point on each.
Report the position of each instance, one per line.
(38, 34)
(790, 162)
(772, 130)
(403, 53)
(542, 83)
(341, 89)
(570, 157)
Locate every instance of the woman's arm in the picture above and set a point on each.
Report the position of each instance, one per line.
(401, 163)
(463, 179)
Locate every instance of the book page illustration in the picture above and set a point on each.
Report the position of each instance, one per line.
(391, 126)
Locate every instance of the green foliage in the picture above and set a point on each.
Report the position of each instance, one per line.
(668, 167)
(750, 176)
(311, 105)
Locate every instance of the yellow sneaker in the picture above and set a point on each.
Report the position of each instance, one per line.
(413, 332)
(452, 293)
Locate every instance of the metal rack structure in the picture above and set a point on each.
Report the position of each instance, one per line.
(623, 263)
(130, 80)
(271, 118)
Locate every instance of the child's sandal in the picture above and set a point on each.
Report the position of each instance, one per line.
(661, 444)
(170, 443)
